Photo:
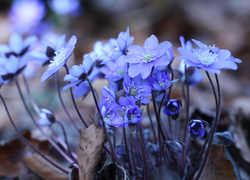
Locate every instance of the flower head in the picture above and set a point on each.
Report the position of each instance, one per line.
(60, 55)
(132, 113)
(17, 46)
(160, 81)
(47, 118)
(194, 76)
(78, 74)
(114, 70)
(173, 108)
(197, 128)
(208, 58)
(137, 88)
(152, 54)
(12, 67)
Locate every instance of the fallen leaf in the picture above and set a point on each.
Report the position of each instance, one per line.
(217, 166)
(43, 168)
(90, 149)
(10, 166)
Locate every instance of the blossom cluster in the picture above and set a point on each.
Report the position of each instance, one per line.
(138, 76)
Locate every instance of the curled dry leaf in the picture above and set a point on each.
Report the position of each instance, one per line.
(217, 166)
(90, 149)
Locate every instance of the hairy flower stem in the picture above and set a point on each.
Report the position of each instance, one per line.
(212, 131)
(66, 140)
(28, 143)
(63, 105)
(187, 103)
(210, 134)
(74, 102)
(159, 129)
(133, 158)
(40, 129)
(114, 155)
(143, 149)
(127, 150)
(35, 106)
(151, 123)
(62, 143)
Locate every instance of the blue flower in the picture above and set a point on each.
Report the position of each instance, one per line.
(160, 81)
(78, 74)
(196, 128)
(111, 116)
(47, 117)
(60, 56)
(17, 46)
(104, 51)
(137, 88)
(114, 70)
(173, 108)
(133, 113)
(152, 54)
(209, 58)
(194, 76)
(124, 40)
(12, 67)
(26, 14)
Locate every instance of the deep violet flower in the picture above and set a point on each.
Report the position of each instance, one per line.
(137, 88)
(61, 55)
(173, 108)
(197, 128)
(17, 46)
(209, 58)
(160, 81)
(152, 54)
(133, 114)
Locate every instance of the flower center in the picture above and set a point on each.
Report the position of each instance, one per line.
(207, 57)
(120, 72)
(133, 92)
(58, 58)
(148, 57)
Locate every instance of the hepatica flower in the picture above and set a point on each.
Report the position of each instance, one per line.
(17, 46)
(137, 88)
(46, 117)
(194, 76)
(160, 81)
(197, 128)
(152, 54)
(133, 114)
(208, 58)
(78, 74)
(114, 70)
(12, 67)
(173, 108)
(59, 54)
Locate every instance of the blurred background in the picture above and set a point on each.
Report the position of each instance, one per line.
(225, 23)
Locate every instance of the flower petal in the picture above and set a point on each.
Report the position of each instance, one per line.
(151, 42)
(16, 43)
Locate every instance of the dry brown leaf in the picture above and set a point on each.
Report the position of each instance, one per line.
(43, 168)
(9, 159)
(217, 166)
(91, 144)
